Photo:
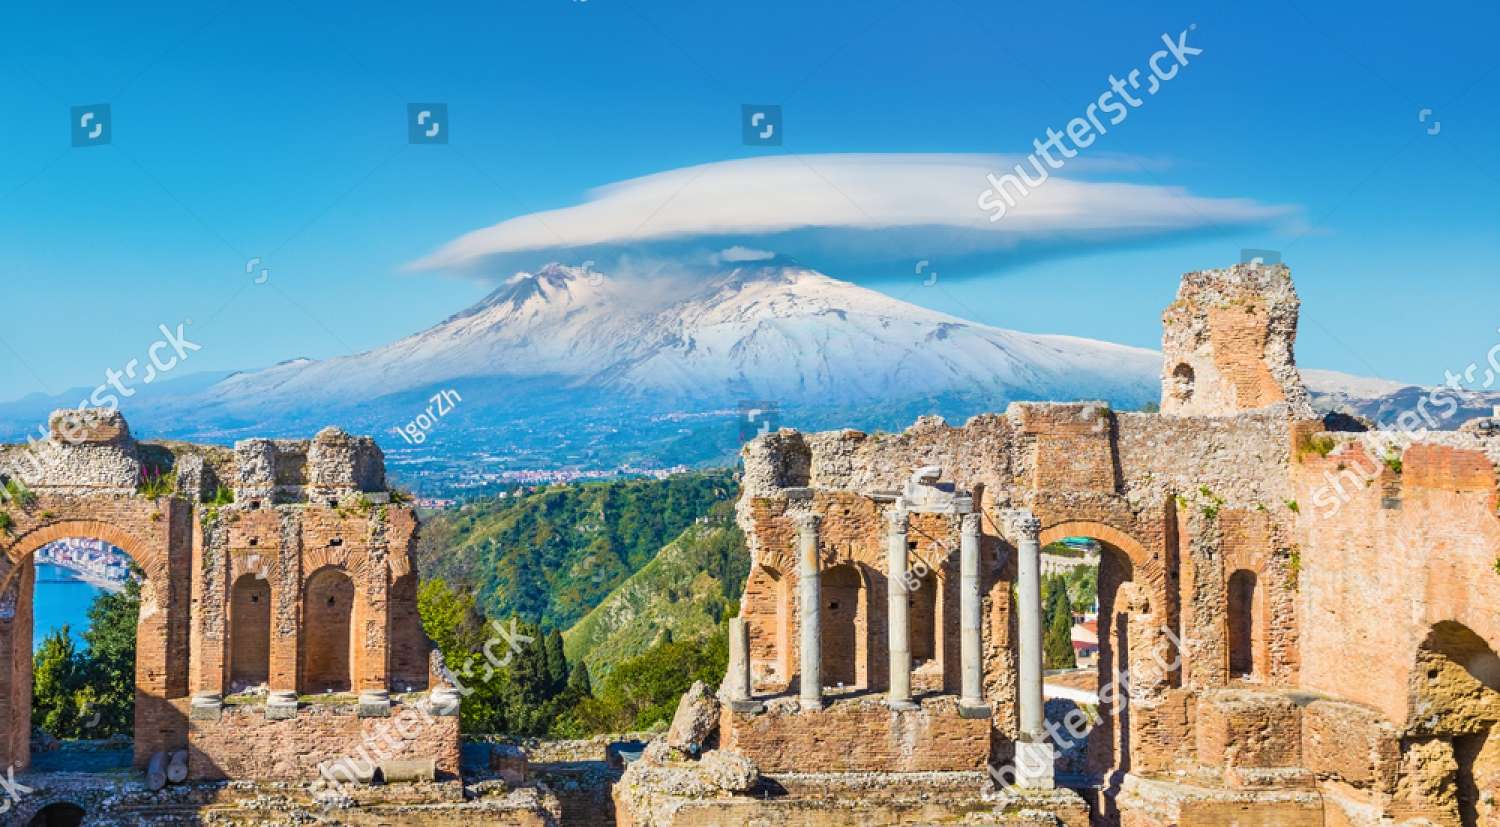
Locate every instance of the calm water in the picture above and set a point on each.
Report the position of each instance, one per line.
(61, 599)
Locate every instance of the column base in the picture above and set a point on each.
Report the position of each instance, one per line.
(206, 706)
(1034, 765)
(901, 704)
(974, 710)
(810, 704)
(375, 703)
(281, 706)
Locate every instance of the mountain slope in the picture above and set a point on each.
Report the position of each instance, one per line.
(683, 592)
(769, 332)
(552, 555)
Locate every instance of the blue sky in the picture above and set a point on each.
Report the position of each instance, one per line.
(278, 131)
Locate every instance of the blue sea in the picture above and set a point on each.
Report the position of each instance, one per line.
(61, 599)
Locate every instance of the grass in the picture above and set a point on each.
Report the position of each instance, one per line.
(1319, 444)
(7, 522)
(155, 483)
(16, 491)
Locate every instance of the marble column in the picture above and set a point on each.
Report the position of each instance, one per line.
(1034, 754)
(810, 628)
(737, 682)
(969, 619)
(898, 595)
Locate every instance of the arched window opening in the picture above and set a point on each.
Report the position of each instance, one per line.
(841, 590)
(328, 613)
(1182, 382)
(249, 633)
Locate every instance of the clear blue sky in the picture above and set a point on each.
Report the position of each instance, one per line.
(277, 130)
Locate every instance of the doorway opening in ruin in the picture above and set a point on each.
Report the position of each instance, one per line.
(922, 605)
(768, 608)
(249, 633)
(77, 606)
(328, 619)
(1246, 618)
(60, 814)
(844, 627)
(1456, 705)
(1183, 382)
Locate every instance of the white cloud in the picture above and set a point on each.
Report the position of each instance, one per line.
(863, 207)
(740, 252)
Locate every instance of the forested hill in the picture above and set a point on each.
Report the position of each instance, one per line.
(683, 594)
(552, 555)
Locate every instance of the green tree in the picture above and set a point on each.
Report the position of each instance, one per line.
(557, 663)
(55, 677)
(109, 663)
(1057, 644)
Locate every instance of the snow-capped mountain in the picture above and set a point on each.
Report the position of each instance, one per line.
(767, 332)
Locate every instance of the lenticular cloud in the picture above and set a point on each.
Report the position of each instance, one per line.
(847, 210)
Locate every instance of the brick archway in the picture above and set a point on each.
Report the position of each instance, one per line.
(1102, 532)
(1123, 560)
(159, 676)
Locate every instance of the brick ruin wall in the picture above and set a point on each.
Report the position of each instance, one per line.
(303, 513)
(1338, 603)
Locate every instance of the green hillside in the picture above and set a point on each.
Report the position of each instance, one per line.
(683, 593)
(551, 555)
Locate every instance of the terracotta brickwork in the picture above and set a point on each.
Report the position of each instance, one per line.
(1303, 623)
(859, 736)
(235, 595)
(244, 743)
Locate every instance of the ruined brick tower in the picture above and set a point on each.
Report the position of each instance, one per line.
(1227, 343)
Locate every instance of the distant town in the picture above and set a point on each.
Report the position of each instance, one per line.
(92, 561)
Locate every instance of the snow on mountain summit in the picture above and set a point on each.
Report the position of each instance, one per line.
(764, 331)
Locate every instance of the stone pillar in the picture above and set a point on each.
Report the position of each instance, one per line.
(971, 701)
(898, 611)
(810, 597)
(1034, 753)
(737, 681)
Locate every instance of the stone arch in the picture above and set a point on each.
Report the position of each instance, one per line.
(159, 675)
(328, 625)
(767, 608)
(1122, 560)
(1183, 383)
(1103, 532)
(152, 560)
(845, 623)
(1451, 734)
(249, 632)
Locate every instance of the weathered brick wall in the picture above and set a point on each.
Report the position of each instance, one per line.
(198, 630)
(243, 743)
(1382, 562)
(858, 736)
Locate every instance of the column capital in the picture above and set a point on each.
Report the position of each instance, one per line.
(969, 524)
(1023, 524)
(899, 515)
(807, 523)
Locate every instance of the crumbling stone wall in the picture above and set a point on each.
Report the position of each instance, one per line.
(1293, 580)
(298, 508)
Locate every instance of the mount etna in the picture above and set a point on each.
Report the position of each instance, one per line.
(568, 369)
